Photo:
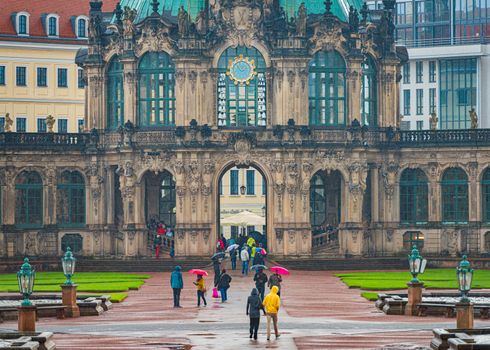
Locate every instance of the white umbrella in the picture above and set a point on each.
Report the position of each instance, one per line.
(243, 218)
(231, 247)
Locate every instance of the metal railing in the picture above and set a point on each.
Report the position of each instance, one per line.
(43, 140)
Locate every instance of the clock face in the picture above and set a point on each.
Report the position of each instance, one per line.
(241, 70)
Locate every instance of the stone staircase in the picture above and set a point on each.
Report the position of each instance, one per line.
(141, 264)
(337, 264)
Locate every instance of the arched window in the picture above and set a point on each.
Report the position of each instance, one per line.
(71, 199)
(326, 89)
(52, 25)
(29, 199)
(317, 200)
(485, 184)
(412, 238)
(156, 97)
(22, 24)
(115, 94)
(241, 88)
(413, 197)
(82, 28)
(368, 93)
(454, 187)
(167, 199)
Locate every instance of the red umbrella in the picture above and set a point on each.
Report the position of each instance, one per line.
(198, 272)
(279, 270)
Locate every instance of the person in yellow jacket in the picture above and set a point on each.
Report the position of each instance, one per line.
(272, 302)
(201, 289)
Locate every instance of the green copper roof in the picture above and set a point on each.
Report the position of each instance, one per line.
(340, 8)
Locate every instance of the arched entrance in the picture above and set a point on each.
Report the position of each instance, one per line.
(242, 204)
(326, 214)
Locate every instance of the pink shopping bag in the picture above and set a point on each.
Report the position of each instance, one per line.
(215, 293)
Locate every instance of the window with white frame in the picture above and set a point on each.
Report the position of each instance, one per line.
(81, 27)
(52, 27)
(22, 23)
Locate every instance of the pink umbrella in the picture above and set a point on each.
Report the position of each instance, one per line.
(198, 272)
(263, 251)
(279, 270)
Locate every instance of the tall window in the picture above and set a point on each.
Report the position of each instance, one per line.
(432, 71)
(406, 73)
(454, 188)
(22, 26)
(317, 201)
(29, 199)
(432, 100)
(62, 77)
(485, 184)
(250, 182)
(420, 101)
(41, 125)
(234, 182)
(42, 77)
(2, 125)
(21, 124)
(458, 92)
(2, 75)
(63, 126)
(82, 28)
(80, 80)
(419, 71)
(241, 88)
(115, 94)
(413, 197)
(327, 86)
(368, 93)
(20, 76)
(80, 125)
(406, 102)
(52, 26)
(71, 199)
(156, 98)
(167, 199)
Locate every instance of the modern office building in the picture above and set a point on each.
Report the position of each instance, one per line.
(448, 72)
(38, 75)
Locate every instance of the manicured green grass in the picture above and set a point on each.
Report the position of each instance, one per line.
(432, 278)
(93, 282)
(370, 296)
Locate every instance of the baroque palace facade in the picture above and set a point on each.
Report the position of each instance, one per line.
(306, 95)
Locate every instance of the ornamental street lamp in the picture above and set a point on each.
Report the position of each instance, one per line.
(242, 190)
(416, 263)
(465, 277)
(68, 262)
(25, 278)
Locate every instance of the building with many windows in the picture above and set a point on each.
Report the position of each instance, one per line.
(38, 75)
(185, 102)
(448, 43)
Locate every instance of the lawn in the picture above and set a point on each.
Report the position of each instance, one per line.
(111, 283)
(432, 278)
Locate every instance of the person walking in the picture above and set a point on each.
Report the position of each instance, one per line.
(260, 279)
(272, 302)
(201, 289)
(253, 252)
(233, 254)
(157, 243)
(244, 257)
(275, 280)
(254, 305)
(223, 285)
(177, 284)
(217, 269)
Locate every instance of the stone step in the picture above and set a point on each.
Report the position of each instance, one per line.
(345, 264)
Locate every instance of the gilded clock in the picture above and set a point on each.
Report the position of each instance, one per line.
(241, 70)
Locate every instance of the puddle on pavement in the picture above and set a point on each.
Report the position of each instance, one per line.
(207, 321)
(203, 334)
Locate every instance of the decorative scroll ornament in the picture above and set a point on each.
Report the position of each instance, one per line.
(241, 70)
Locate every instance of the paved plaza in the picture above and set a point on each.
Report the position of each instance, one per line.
(318, 312)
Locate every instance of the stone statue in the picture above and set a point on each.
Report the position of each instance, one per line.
(94, 27)
(128, 21)
(201, 22)
(184, 21)
(301, 21)
(50, 123)
(433, 121)
(474, 118)
(8, 123)
(353, 19)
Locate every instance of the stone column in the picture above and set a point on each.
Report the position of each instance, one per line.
(130, 89)
(474, 206)
(464, 315)
(353, 93)
(27, 319)
(414, 297)
(388, 93)
(96, 116)
(69, 298)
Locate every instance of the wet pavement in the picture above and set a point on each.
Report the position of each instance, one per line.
(318, 312)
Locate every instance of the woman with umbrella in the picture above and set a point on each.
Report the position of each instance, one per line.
(201, 287)
(276, 279)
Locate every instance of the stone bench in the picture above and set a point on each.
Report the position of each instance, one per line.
(50, 311)
(90, 307)
(424, 309)
(33, 341)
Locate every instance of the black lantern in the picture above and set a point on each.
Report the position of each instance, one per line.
(25, 278)
(416, 263)
(68, 262)
(242, 190)
(465, 277)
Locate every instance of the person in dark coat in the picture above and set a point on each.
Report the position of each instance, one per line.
(260, 279)
(275, 280)
(217, 269)
(223, 285)
(177, 284)
(233, 255)
(254, 305)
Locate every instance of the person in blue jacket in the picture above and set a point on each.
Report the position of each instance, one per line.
(177, 284)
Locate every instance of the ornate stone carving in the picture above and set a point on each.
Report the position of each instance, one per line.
(291, 236)
(389, 173)
(389, 235)
(156, 162)
(291, 78)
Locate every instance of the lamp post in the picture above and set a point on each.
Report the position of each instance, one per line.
(464, 308)
(27, 311)
(69, 289)
(417, 266)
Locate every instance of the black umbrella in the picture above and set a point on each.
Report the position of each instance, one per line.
(257, 267)
(219, 255)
